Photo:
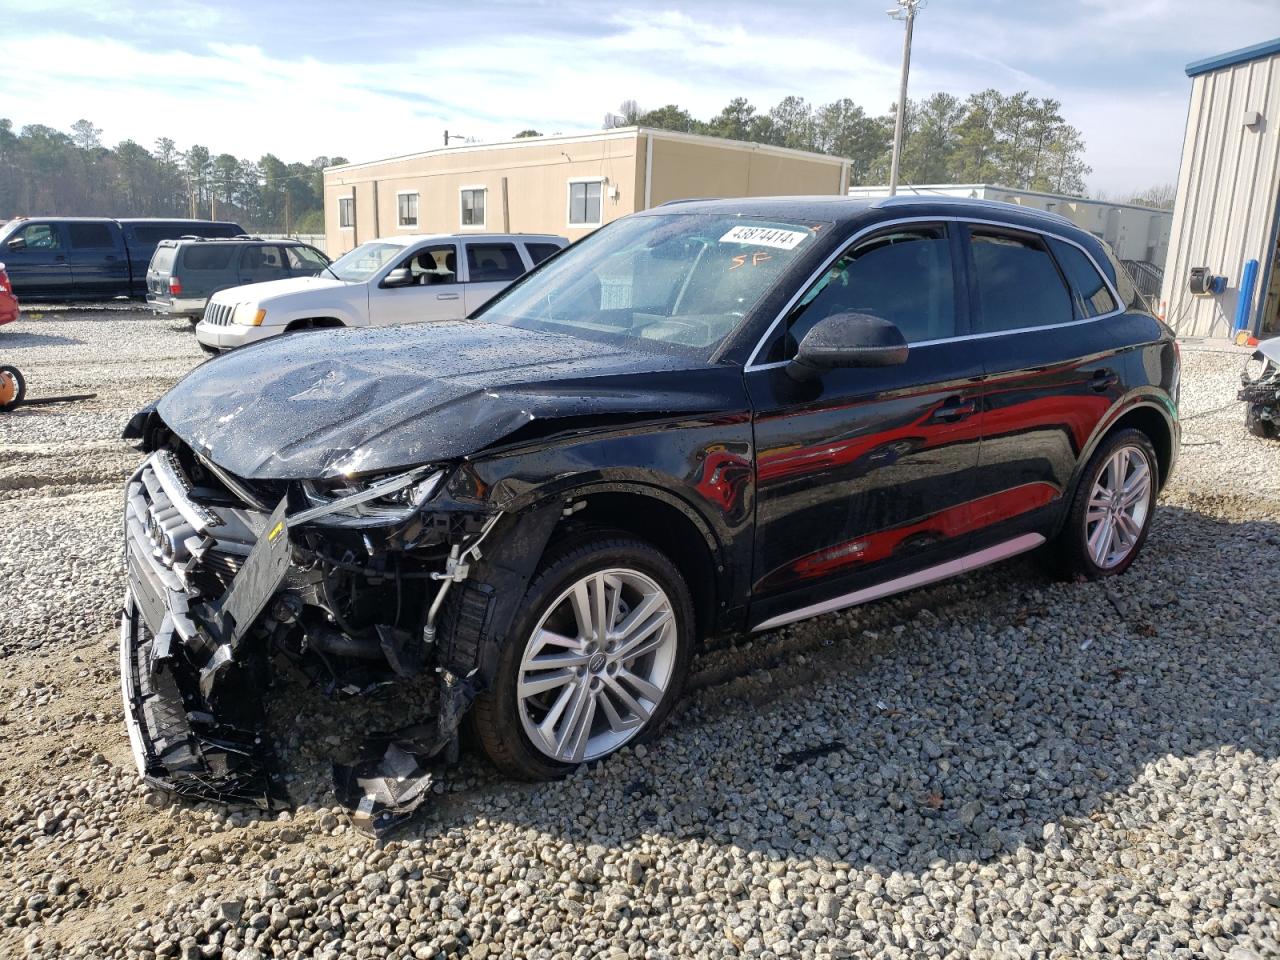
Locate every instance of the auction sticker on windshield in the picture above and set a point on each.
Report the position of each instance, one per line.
(765, 237)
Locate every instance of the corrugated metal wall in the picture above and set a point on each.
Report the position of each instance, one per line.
(1227, 193)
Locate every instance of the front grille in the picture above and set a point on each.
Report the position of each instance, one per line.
(218, 314)
(217, 570)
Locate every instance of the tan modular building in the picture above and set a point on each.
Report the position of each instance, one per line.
(1222, 274)
(566, 185)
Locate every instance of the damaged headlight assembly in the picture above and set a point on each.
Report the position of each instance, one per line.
(366, 503)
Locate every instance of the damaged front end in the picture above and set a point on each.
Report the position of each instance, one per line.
(1260, 390)
(355, 582)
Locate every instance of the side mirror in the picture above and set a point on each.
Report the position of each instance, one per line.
(399, 277)
(848, 340)
(17, 243)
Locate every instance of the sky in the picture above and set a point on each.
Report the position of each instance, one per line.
(377, 79)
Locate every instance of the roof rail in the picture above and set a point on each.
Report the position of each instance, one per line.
(913, 199)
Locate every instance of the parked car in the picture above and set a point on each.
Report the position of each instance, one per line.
(406, 279)
(91, 258)
(8, 301)
(1260, 390)
(184, 274)
(707, 418)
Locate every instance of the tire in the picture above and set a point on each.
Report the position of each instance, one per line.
(1071, 553)
(19, 384)
(1266, 429)
(634, 573)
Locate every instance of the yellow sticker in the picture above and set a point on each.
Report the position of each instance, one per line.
(275, 531)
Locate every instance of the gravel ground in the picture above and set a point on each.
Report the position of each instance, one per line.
(1000, 766)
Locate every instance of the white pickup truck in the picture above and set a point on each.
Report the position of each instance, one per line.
(408, 279)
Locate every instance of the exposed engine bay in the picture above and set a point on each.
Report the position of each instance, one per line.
(1260, 390)
(353, 583)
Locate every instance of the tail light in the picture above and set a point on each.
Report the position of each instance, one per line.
(175, 286)
(4, 282)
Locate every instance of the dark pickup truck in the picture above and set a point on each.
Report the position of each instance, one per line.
(90, 258)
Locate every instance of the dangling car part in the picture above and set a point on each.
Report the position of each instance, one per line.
(707, 418)
(1260, 390)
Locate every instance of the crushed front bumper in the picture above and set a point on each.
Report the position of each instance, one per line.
(193, 707)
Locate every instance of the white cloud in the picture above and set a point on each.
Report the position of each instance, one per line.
(1110, 64)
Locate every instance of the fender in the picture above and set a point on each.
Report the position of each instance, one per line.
(1137, 399)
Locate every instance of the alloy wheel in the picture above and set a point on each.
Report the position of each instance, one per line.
(597, 665)
(1118, 506)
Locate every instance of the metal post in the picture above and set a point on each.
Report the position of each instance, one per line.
(906, 11)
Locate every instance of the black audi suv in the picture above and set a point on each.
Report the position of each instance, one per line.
(709, 418)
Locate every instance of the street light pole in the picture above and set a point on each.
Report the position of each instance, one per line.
(906, 10)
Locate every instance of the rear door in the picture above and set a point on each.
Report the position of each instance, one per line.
(491, 266)
(433, 292)
(260, 263)
(35, 257)
(1053, 364)
(99, 265)
(865, 474)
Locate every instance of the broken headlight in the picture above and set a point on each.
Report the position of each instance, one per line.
(367, 502)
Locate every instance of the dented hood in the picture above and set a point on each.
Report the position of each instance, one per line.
(329, 402)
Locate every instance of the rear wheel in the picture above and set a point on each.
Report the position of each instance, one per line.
(1111, 509)
(595, 659)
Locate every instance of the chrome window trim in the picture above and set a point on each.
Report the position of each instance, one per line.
(885, 224)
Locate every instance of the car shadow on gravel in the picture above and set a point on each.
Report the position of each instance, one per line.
(997, 712)
(20, 338)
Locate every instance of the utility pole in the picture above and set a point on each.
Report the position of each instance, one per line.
(905, 10)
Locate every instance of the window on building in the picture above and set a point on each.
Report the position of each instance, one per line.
(584, 203)
(1088, 289)
(493, 261)
(407, 209)
(89, 236)
(540, 251)
(904, 276)
(1018, 284)
(473, 199)
(346, 212)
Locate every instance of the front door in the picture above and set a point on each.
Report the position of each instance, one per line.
(491, 267)
(433, 293)
(260, 263)
(36, 260)
(866, 474)
(1051, 335)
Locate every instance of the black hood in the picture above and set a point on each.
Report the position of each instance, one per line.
(327, 402)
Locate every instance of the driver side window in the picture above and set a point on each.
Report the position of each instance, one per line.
(904, 276)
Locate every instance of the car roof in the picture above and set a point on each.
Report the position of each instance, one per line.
(849, 211)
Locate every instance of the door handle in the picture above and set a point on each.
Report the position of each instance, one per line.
(60, 259)
(446, 296)
(111, 259)
(955, 408)
(1103, 380)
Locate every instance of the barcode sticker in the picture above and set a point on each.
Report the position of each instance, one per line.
(765, 237)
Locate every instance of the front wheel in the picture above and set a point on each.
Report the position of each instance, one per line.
(595, 659)
(1111, 510)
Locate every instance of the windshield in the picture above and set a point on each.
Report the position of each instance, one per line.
(675, 282)
(365, 260)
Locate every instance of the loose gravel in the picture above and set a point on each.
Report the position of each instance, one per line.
(999, 766)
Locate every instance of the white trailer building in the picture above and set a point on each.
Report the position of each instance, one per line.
(1225, 221)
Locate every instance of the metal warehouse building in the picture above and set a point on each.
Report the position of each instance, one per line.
(1221, 273)
(567, 185)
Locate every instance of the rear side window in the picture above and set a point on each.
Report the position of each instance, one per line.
(88, 235)
(1088, 289)
(493, 261)
(201, 256)
(1018, 283)
(162, 262)
(540, 251)
(904, 277)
